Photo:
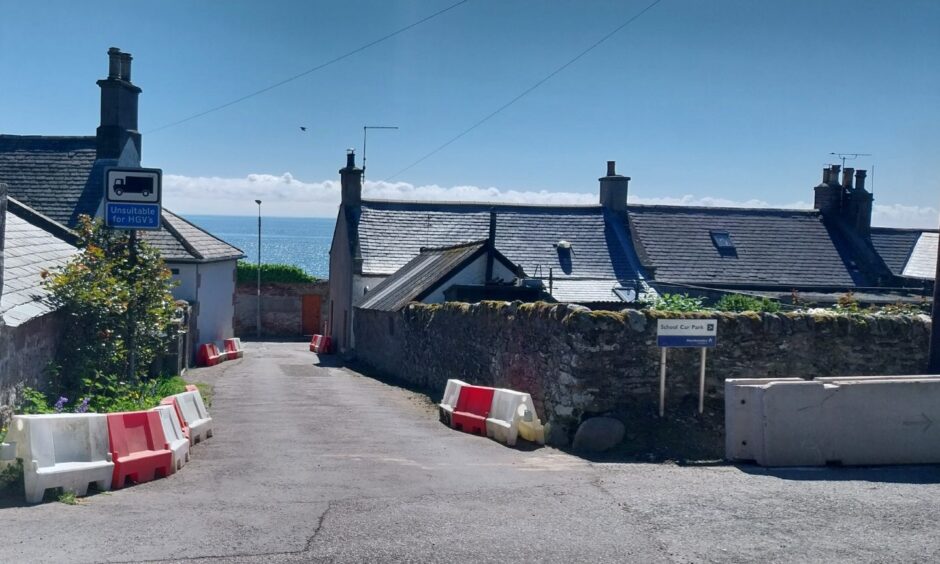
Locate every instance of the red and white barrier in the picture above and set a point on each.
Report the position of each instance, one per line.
(501, 414)
(321, 344)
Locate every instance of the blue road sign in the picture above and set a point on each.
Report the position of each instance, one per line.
(132, 216)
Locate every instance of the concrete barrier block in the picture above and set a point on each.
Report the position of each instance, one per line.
(233, 348)
(139, 448)
(864, 420)
(449, 401)
(67, 451)
(472, 409)
(512, 414)
(173, 431)
(195, 416)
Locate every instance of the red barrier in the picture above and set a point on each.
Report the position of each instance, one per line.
(325, 346)
(232, 348)
(179, 413)
(315, 342)
(472, 409)
(138, 447)
(208, 355)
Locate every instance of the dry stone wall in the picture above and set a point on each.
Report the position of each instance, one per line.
(576, 362)
(25, 354)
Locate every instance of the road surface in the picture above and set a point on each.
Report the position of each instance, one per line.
(312, 463)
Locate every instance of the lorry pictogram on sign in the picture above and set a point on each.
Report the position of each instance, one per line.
(133, 198)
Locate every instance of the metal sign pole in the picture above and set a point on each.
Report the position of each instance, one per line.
(701, 384)
(662, 382)
(132, 309)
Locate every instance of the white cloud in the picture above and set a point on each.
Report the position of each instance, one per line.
(284, 195)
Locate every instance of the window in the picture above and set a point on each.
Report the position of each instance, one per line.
(724, 243)
(175, 271)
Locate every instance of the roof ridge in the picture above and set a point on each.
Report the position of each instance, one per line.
(179, 237)
(455, 246)
(740, 209)
(42, 221)
(469, 203)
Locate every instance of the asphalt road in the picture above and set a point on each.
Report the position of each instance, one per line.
(313, 463)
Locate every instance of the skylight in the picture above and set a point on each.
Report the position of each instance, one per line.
(723, 242)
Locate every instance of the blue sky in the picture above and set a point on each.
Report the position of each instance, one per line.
(725, 102)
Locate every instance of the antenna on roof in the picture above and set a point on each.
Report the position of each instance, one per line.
(365, 135)
(849, 156)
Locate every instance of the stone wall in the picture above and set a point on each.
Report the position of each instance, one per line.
(25, 352)
(281, 308)
(576, 362)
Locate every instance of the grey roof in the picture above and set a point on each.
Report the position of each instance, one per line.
(895, 246)
(773, 247)
(60, 178)
(584, 291)
(418, 276)
(392, 233)
(923, 261)
(181, 241)
(52, 175)
(29, 250)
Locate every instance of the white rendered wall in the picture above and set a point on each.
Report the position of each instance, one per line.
(216, 297)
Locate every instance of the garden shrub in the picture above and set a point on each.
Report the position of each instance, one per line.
(282, 273)
(740, 302)
(678, 302)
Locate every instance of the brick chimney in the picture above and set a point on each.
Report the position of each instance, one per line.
(859, 203)
(118, 107)
(350, 178)
(829, 194)
(614, 189)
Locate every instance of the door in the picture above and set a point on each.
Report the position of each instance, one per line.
(310, 316)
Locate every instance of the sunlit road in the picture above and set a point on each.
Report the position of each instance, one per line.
(312, 463)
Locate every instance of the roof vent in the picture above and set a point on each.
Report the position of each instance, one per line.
(563, 245)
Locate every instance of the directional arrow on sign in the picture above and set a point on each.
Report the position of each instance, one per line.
(922, 421)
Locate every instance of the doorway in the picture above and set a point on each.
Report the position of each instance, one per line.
(310, 314)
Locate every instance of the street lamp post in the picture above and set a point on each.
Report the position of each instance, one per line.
(258, 318)
(933, 356)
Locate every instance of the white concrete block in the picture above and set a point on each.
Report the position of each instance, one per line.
(178, 442)
(449, 401)
(513, 415)
(195, 415)
(66, 451)
(863, 420)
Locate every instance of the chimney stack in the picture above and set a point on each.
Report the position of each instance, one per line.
(847, 178)
(351, 181)
(118, 108)
(828, 194)
(614, 189)
(860, 179)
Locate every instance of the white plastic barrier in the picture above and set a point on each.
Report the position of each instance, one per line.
(7, 455)
(173, 432)
(66, 451)
(195, 415)
(449, 401)
(513, 415)
(845, 420)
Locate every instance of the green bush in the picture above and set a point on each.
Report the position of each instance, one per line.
(678, 302)
(98, 292)
(283, 273)
(103, 394)
(739, 302)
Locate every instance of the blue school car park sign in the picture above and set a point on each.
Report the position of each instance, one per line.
(133, 198)
(697, 333)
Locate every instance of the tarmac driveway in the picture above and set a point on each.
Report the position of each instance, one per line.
(312, 463)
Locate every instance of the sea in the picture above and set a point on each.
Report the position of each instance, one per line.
(300, 241)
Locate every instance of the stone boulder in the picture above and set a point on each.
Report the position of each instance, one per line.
(598, 434)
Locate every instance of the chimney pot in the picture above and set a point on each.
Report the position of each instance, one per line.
(834, 174)
(860, 179)
(611, 168)
(350, 181)
(614, 189)
(350, 158)
(126, 66)
(825, 179)
(114, 63)
(847, 178)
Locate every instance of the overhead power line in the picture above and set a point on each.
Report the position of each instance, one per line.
(311, 70)
(527, 91)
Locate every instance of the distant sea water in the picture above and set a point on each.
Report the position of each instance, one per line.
(300, 241)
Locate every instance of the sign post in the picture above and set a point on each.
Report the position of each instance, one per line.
(685, 333)
(133, 200)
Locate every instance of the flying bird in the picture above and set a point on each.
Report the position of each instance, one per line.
(303, 128)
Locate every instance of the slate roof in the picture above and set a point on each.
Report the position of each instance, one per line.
(28, 250)
(896, 246)
(791, 248)
(52, 174)
(417, 276)
(392, 233)
(59, 177)
(923, 261)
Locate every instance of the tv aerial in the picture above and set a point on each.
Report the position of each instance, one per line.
(849, 156)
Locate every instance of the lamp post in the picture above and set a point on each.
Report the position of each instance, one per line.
(258, 318)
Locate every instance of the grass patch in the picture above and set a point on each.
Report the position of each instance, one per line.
(68, 498)
(206, 391)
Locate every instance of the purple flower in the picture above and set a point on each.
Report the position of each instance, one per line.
(60, 404)
(83, 408)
